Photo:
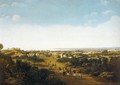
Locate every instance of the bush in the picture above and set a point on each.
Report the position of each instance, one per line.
(95, 73)
(85, 70)
(106, 76)
(5, 62)
(22, 73)
(55, 81)
(63, 60)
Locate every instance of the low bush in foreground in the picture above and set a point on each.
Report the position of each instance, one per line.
(22, 73)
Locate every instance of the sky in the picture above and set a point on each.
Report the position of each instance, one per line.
(46, 24)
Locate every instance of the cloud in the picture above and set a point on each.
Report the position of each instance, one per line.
(14, 4)
(8, 3)
(91, 15)
(117, 1)
(4, 18)
(10, 18)
(107, 12)
(91, 18)
(3, 5)
(16, 18)
(104, 2)
(62, 36)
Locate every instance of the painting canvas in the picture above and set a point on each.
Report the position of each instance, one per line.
(59, 42)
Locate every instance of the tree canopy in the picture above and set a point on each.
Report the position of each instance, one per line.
(1, 46)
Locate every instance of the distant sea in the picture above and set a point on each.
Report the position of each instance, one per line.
(79, 49)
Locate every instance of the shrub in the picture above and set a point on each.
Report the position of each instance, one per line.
(106, 76)
(55, 81)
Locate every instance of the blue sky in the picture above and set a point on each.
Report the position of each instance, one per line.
(50, 12)
(73, 16)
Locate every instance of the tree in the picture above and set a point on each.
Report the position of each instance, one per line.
(1, 46)
(105, 52)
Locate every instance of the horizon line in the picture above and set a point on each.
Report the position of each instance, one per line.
(57, 49)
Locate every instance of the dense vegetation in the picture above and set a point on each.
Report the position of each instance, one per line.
(22, 73)
(19, 67)
(99, 67)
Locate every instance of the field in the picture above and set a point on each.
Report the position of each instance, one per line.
(86, 67)
(74, 80)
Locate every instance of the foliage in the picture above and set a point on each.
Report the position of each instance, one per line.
(1, 46)
(106, 76)
(5, 62)
(55, 81)
(89, 66)
(22, 73)
(63, 60)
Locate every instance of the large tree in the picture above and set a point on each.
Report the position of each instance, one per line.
(1, 46)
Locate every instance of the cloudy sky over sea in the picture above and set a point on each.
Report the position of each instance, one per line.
(42, 24)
